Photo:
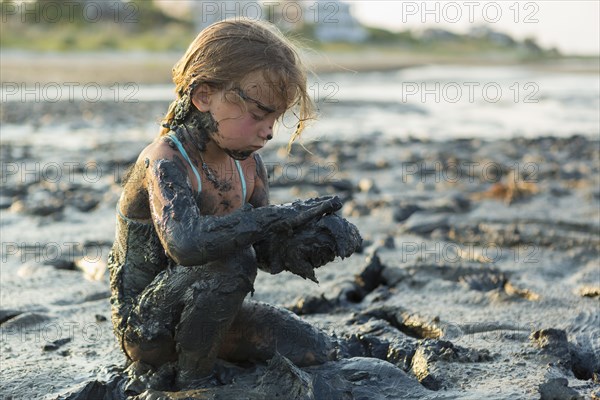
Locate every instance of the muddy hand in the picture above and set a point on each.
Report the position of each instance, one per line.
(306, 205)
(300, 213)
(315, 208)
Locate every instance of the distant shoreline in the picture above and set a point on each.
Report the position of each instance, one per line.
(155, 68)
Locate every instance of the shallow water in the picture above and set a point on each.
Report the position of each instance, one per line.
(438, 102)
(433, 102)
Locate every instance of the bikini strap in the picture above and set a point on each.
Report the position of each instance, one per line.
(187, 158)
(239, 168)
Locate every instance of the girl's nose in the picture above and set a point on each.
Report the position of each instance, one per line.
(267, 133)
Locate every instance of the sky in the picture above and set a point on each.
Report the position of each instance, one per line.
(570, 26)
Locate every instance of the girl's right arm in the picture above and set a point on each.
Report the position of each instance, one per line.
(190, 238)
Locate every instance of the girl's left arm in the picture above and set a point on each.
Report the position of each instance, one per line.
(260, 198)
(260, 194)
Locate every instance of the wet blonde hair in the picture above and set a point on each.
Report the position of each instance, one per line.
(226, 52)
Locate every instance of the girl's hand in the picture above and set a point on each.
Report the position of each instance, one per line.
(300, 213)
(308, 247)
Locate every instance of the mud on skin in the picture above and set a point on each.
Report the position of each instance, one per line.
(310, 246)
(199, 127)
(213, 267)
(192, 239)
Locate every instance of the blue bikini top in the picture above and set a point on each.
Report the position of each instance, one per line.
(187, 158)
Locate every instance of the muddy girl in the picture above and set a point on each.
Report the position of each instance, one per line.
(194, 221)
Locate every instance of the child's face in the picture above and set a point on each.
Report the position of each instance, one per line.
(243, 128)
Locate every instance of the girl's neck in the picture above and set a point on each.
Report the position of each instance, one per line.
(214, 155)
(195, 133)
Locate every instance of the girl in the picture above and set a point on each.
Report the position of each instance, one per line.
(193, 222)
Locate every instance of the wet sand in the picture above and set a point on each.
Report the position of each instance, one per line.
(478, 277)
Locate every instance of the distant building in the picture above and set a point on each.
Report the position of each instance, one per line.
(438, 35)
(209, 12)
(484, 32)
(334, 22)
(332, 19)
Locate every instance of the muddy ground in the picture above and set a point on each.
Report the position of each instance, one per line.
(478, 277)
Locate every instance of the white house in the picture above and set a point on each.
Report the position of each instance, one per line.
(334, 22)
(332, 19)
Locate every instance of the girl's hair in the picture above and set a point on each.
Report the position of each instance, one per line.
(224, 53)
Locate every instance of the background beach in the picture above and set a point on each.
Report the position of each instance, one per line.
(471, 168)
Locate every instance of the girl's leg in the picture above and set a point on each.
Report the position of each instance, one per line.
(188, 311)
(259, 330)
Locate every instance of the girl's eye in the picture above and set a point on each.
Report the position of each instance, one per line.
(257, 117)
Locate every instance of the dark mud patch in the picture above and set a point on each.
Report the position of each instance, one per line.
(554, 344)
(430, 363)
(558, 389)
(25, 320)
(352, 378)
(369, 279)
(585, 364)
(484, 281)
(6, 315)
(312, 305)
(410, 324)
(557, 350)
(55, 344)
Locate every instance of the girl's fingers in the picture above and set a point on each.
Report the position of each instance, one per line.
(313, 209)
(326, 207)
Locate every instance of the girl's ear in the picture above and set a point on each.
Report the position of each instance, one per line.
(201, 97)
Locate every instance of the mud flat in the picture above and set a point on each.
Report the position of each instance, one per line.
(478, 276)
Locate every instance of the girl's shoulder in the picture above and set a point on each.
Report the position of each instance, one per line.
(159, 148)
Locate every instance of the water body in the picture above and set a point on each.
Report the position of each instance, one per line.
(428, 102)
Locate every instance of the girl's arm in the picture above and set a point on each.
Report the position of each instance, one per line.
(260, 194)
(260, 198)
(190, 238)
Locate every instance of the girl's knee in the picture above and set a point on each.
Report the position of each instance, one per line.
(154, 353)
(242, 262)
